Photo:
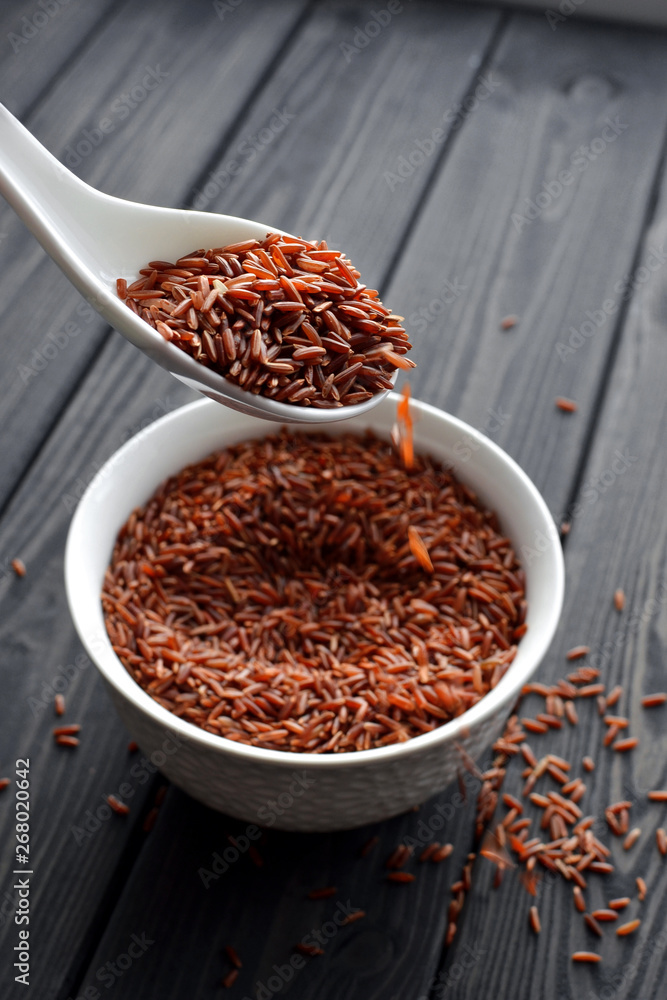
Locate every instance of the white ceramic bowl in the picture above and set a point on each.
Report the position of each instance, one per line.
(291, 790)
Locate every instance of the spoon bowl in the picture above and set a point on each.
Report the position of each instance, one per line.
(95, 238)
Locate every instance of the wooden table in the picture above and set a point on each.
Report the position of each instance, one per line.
(474, 163)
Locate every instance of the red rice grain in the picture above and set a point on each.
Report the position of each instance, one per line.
(325, 893)
(641, 888)
(628, 744)
(620, 903)
(632, 838)
(592, 924)
(418, 549)
(628, 928)
(400, 877)
(368, 846)
(585, 956)
(399, 857)
(509, 322)
(308, 949)
(283, 317)
(659, 795)
(67, 741)
(441, 853)
(614, 696)
(661, 840)
(59, 704)
(19, 567)
(579, 901)
(571, 712)
(588, 764)
(619, 599)
(4, 783)
(566, 405)
(653, 700)
(535, 920)
(118, 806)
(577, 652)
(151, 817)
(233, 957)
(230, 978)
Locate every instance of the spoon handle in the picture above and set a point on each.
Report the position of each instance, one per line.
(42, 192)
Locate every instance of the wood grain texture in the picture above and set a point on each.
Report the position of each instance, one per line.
(553, 94)
(395, 950)
(351, 109)
(618, 539)
(84, 436)
(50, 339)
(327, 172)
(37, 42)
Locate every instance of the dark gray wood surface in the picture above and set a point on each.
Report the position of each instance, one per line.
(455, 235)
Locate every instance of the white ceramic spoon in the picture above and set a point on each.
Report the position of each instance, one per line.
(95, 239)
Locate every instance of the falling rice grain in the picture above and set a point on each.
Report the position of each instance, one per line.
(418, 549)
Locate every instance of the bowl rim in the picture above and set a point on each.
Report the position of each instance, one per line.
(507, 690)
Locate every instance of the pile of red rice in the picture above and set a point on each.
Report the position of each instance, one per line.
(282, 317)
(276, 594)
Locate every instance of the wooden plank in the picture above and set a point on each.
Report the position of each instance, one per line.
(411, 929)
(50, 339)
(618, 540)
(554, 95)
(38, 39)
(353, 104)
(34, 527)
